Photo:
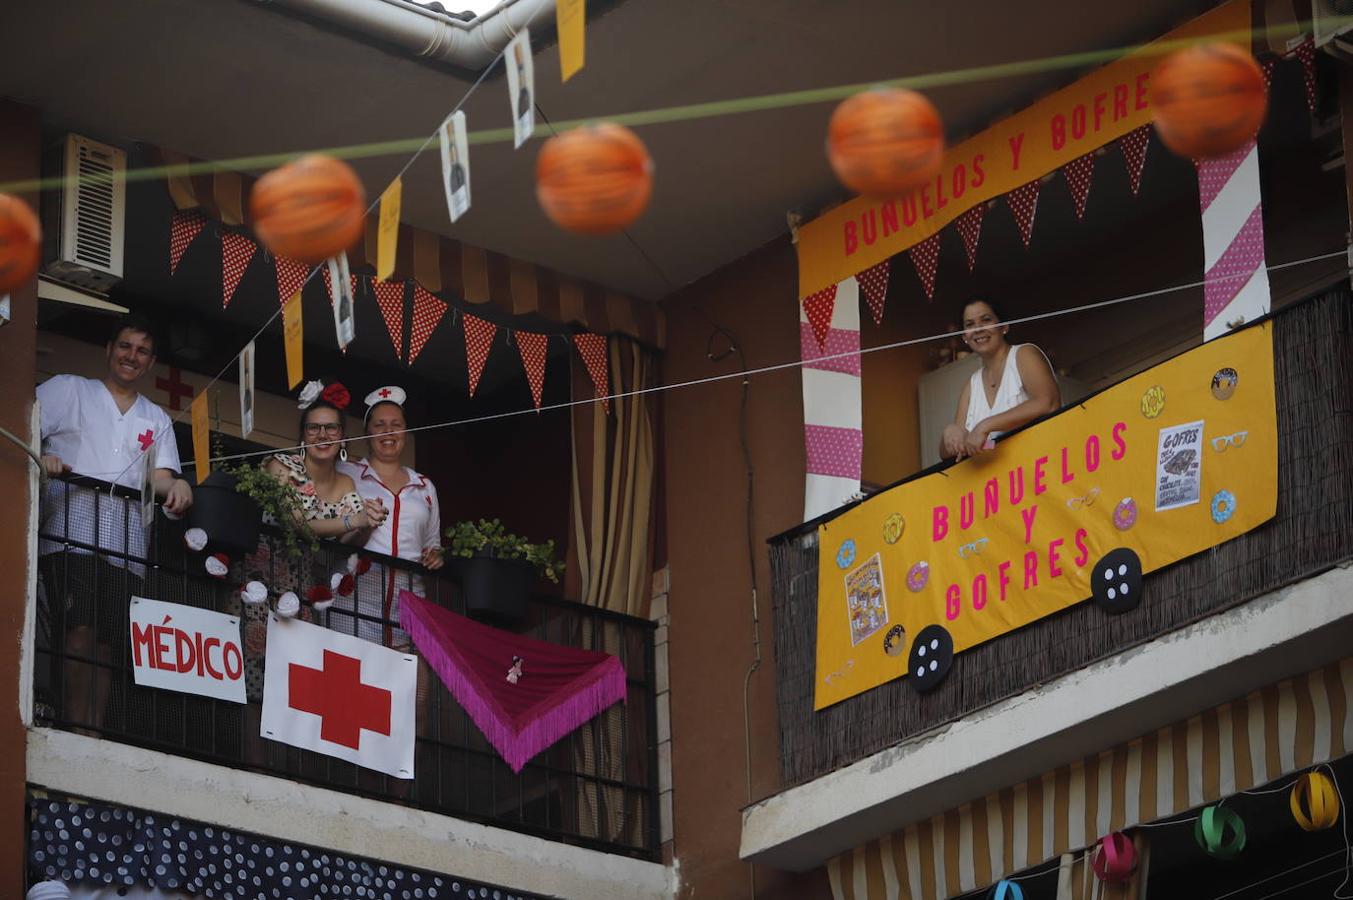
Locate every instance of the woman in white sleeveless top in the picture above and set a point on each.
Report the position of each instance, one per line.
(1014, 386)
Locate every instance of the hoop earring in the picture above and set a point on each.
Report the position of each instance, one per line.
(343, 453)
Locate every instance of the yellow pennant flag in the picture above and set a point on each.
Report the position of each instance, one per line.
(387, 231)
(571, 19)
(293, 334)
(201, 436)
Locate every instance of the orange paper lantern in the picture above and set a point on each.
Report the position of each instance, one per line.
(20, 243)
(885, 142)
(594, 180)
(1208, 100)
(309, 209)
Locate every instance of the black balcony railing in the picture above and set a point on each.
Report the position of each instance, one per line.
(597, 787)
(1311, 532)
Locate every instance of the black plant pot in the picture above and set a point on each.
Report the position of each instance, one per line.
(496, 590)
(230, 519)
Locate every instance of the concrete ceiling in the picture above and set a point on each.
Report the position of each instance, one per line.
(220, 79)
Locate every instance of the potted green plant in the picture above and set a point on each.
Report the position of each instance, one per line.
(497, 569)
(231, 503)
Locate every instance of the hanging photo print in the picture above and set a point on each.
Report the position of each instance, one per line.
(340, 295)
(521, 86)
(247, 390)
(455, 165)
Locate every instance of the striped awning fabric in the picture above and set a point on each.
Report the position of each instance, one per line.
(443, 265)
(1280, 729)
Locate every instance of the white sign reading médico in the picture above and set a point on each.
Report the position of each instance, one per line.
(182, 648)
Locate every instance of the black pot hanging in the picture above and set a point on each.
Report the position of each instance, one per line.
(230, 519)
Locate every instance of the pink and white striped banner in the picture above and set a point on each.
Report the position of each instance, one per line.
(832, 418)
(1235, 277)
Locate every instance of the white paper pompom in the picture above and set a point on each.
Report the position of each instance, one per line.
(195, 539)
(171, 516)
(218, 564)
(288, 605)
(334, 580)
(254, 593)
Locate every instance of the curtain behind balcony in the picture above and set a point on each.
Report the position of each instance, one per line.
(609, 562)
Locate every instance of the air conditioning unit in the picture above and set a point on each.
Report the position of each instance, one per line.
(1331, 21)
(84, 221)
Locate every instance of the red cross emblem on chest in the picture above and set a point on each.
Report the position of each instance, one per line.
(145, 439)
(336, 694)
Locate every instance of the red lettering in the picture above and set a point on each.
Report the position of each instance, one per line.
(852, 241)
(1120, 445)
(142, 637)
(206, 658)
(1030, 569)
(869, 228)
(232, 655)
(909, 209)
(161, 649)
(1067, 475)
(197, 646)
(1078, 121)
(958, 181)
(1058, 126)
(1092, 453)
(1099, 109)
(992, 497)
(952, 598)
(979, 592)
(966, 511)
(1040, 475)
(1082, 551)
(1028, 514)
(939, 518)
(978, 175)
(1139, 102)
(940, 200)
(1016, 143)
(1053, 557)
(1016, 485)
(182, 643)
(889, 217)
(926, 209)
(1003, 573)
(1119, 102)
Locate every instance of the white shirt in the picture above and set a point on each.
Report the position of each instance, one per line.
(414, 520)
(1009, 393)
(81, 424)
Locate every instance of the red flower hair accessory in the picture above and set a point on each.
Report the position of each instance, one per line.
(337, 394)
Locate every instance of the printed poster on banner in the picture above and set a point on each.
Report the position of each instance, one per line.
(247, 390)
(339, 695)
(1179, 466)
(340, 297)
(521, 86)
(186, 649)
(455, 165)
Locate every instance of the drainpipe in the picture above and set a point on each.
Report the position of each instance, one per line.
(427, 33)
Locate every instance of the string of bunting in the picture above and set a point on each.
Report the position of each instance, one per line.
(1023, 203)
(238, 251)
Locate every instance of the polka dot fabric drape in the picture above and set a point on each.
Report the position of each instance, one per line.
(91, 844)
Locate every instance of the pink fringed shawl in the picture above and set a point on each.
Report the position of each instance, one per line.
(559, 688)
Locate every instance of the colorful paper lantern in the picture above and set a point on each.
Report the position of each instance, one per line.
(1005, 890)
(20, 243)
(885, 142)
(594, 180)
(1115, 859)
(309, 209)
(1220, 833)
(1315, 802)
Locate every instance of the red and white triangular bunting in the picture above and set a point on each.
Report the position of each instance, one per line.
(390, 298)
(1078, 173)
(291, 275)
(1133, 145)
(1305, 51)
(592, 348)
(1024, 204)
(329, 285)
(478, 340)
(970, 229)
(532, 349)
(427, 314)
(237, 251)
(874, 285)
(184, 227)
(819, 307)
(1267, 64)
(925, 256)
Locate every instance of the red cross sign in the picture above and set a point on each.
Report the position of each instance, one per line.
(384, 392)
(175, 386)
(336, 694)
(146, 438)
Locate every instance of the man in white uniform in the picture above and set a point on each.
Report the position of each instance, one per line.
(101, 429)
